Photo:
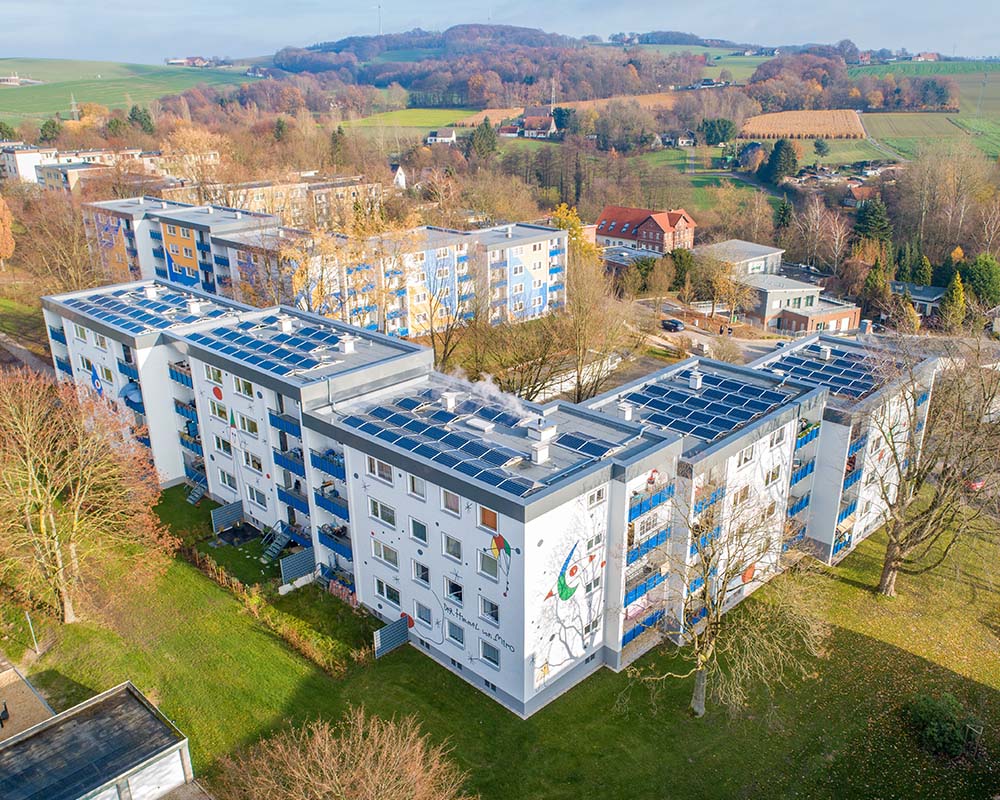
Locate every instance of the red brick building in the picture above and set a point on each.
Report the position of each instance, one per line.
(642, 228)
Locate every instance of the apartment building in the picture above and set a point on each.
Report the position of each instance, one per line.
(402, 284)
(743, 258)
(645, 229)
(872, 425)
(527, 544)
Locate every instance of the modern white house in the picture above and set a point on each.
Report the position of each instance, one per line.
(526, 545)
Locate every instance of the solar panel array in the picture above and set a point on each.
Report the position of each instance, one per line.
(424, 433)
(720, 406)
(135, 313)
(262, 344)
(846, 372)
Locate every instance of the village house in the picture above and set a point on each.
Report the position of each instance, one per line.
(442, 136)
(926, 299)
(645, 229)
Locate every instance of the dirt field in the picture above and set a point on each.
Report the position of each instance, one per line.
(834, 124)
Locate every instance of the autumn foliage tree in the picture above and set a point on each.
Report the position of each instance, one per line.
(361, 758)
(76, 495)
(6, 233)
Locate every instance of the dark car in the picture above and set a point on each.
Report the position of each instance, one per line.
(672, 325)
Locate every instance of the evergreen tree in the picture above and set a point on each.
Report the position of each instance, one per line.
(484, 139)
(923, 275)
(982, 276)
(140, 118)
(783, 215)
(49, 131)
(875, 295)
(337, 142)
(7, 133)
(782, 163)
(953, 305)
(873, 222)
(683, 267)
(944, 272)
(822, 147)
(280, 129)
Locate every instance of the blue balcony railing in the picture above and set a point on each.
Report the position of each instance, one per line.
(57, 334)
(852, 478)
(856, 445)
(712, 499)
(294, 499)
(203, 248)
(556, 269)
(645, 502)
(555, 251)
(136, 405)
(195, 475)
(335, 504)
(283, 422)
(842, 544)
(702, 542)
(296, 533)
(807, 436)
(128, 370)
(158, 252)
(801, 504)
(191, 444)
(290, 461)
(156, 236)
(640, 589)
(637, 630)
(330, 462)
(847, 510)
(64, 365)
(132, 252)
(181, 373)
(922, 398)
(338, 544)
(144, 441)
(647, 546)
(161, 273)
(186, 410)
(557, 287)
(802, 472)
(221, 261)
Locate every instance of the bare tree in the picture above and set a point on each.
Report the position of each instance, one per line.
(812, 225)
(838, 239)
(362, 758)
(937, 460)
(989, 225)
(76, 492)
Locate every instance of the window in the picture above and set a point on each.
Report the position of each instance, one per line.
(385, 553)
(243, 386)
(388, 593)
(777, 437)
(107, 375)
(248, 425)
(596, 497)
(417, 487)
(218, 410)
(185, 233)
(456, 634)
(518, 288)
(489, 610)
(86, 363)
(422, 613)
(379, 469)
(227, 479)
(421, 573)
(593, 585)
(213, 374)
(518, 269)
(382, 512)
(223, 446)
(770, 510)
(452, 547)
(772, 476)
(518, 306)
(451, 502)
(741, 496)
(592, 626)
(745, 456)
(175, 250)
(188, 252)
(253, 461)
(255, 495)
(454, 591)
(488, 565)
(172, 230)
(489, 654)
(100, 341)
(488, 518)
(598, 539)
(536, 284)
(536, 302)
(80, 332)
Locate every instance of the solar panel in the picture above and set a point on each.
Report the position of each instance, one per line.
(409, 403)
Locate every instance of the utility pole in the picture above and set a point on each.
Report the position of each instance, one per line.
(379, 9)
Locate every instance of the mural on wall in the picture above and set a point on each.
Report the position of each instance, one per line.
(500, 549)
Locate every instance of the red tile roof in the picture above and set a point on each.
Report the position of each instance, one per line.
(538, 123)
(627, 220)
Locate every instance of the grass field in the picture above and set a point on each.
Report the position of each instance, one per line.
(107, 83)
(718, 59)
(653, 100)
(225, 681)
(424, 118)
(907, 131)
(24, 323)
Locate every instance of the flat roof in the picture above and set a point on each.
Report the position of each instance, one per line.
(485, 438)
(736, 250)
(25, 706)
(135, 207)
(925, 294)
(82, 749)
(728, 399)
(213, 217)
(777, 283)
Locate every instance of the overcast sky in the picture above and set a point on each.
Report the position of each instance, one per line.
(146, 32)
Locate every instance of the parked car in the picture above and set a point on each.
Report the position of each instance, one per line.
(975, 484)
(672, 325)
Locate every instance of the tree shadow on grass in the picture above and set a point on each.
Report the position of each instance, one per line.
(60, 691)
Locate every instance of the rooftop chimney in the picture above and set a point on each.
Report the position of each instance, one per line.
(163, 205)
(194, 306)
(286, 324)
(142, 201)
(825, 352)
(346, 344)
(540, 453)
(152, 291)
(510, 231)
(865, 329)
(694, 380)
(239, 215)
(626, 410)
(541, 430)
(449, 400)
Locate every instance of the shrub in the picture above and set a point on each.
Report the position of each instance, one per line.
(940, 723)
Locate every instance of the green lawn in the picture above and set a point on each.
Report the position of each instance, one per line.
(427, 118)
(108, 83)
(25, 324)
(717, 59)
(225, 681)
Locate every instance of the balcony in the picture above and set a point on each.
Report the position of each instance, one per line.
(699, 543)
(191, 443)
(57, 335)
(802, 472)
(64, 365)
(808, 434)
(557, 287)
(857, 444)
(220, 261)
(186, 410)
(203, 248)
(333, 503)
(556, 269)
(180, 373)
(161, 273)
(647, 545)
(647, 580)
(646, 501)
(922, 398)
(330, 462)
(842, 543)
(195, 473)
(847, 511)
(136, 405)
(852, 478)
(132, 252)
(636, 631)
(144, 441)
(336, 540)
(799, 505)
(708, 495)
(128, 370)
(290, 460)
(158, 252)
(297, 500)
(297, 533)
(156, 236)
(286, 423)
(556, 251)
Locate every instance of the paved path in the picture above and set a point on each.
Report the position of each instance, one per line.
(24, 356)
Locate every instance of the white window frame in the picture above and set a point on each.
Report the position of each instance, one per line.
(597, 496)
(777, 437)
(416, 487)
(248, 425)
(414, 564)
(241, 384)
(100, 342)
(223, 446)
(413, 534)
(213, 374)
(382, 589)
(79, 332)
(227, 479)
(484, 557)
(773, 475)
(493, 529)
(445, 494)
(255, 495)
(448, 594)
(483, 610)
(592, 585)
(375, 467)
(377, 509)
(744, 457)
(445, 539)
(107, 375)
(418, 608)
(248, 461)
(483, 645)
(458, 640)
(384, 553)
